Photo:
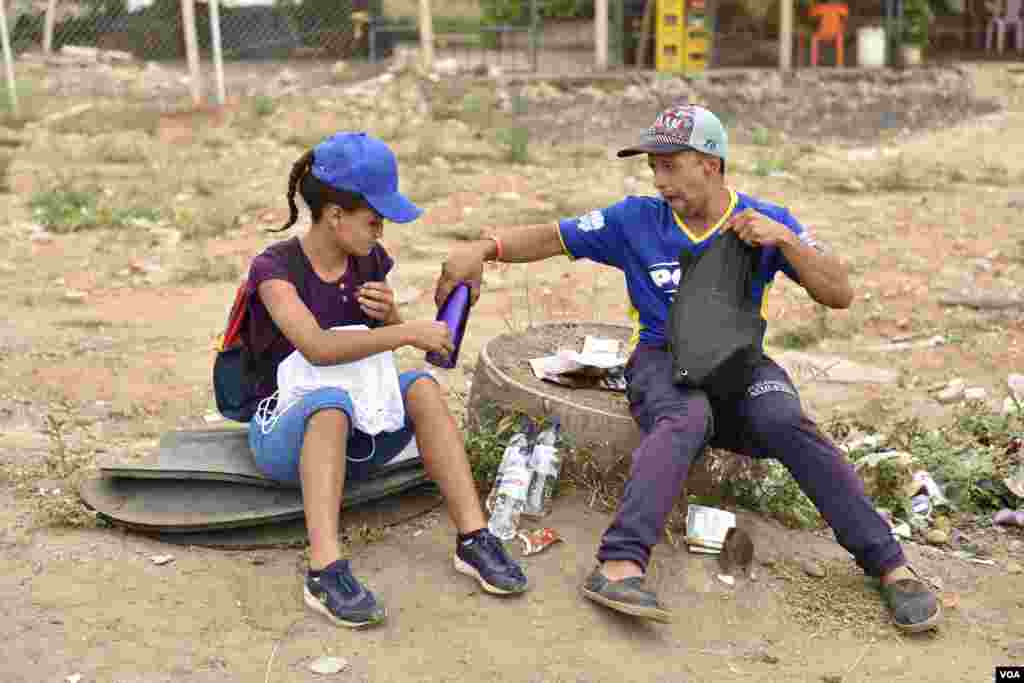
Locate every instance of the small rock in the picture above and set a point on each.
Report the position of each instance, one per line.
(339, 68)
(162, 559)
(727, 579)
(1013, 567)
(812, 568)
(509, 196)
(953, 391)
(74, 296)
(769, 658)
(287, 77)
(1016, 384)
(1015, 546)
(74, 678)
(975, 394)
(328, 665)
(832, 678)
(854, 185)
(1010, 405)
(937, 537)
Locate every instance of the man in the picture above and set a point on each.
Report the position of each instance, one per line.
(643, 236)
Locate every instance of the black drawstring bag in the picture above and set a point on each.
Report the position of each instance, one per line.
(715, 328)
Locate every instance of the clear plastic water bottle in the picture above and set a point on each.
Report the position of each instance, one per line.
(545, 463)
(518, 448)
(509, 492)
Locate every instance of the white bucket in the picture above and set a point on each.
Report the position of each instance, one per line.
(871, 46)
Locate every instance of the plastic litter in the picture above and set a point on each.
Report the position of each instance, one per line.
(537, 540)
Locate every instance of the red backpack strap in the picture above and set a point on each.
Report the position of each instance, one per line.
(232, 335)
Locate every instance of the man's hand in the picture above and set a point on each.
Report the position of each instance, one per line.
(464, 264)
(759, 231)
(377, 301)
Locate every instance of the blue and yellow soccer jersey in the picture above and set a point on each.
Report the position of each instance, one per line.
(642, 237)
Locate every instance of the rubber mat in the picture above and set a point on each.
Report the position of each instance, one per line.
(190, 505)
(383, 512)
(220, 455)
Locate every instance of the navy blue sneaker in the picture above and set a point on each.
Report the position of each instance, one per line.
(336, 594)
(483, 557)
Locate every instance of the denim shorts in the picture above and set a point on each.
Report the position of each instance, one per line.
(277, 452)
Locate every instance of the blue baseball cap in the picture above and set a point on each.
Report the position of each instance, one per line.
(360, 163)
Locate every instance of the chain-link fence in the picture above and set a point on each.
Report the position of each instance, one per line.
(301, 36)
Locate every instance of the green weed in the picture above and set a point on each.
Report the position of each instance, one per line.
(515, 141)
(69, 210)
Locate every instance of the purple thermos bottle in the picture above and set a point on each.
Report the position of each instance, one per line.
(454, 313)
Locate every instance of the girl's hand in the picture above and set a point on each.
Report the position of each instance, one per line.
(377, 300)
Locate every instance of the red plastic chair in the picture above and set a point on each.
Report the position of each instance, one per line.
(831, 27)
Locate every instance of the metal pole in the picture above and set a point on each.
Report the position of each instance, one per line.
(12, 86)
(218, 58)
(786, 35)
(601, 33)
(48, 25)
(427, 34)
(534, 34)
(188, 18)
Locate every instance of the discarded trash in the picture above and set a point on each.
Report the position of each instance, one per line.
(162, 559)
(537, 540)
(924, 480)
(328, 665)
(508, 495)
(950, 600)
(600, 365)
(1009, 517)
(706, 528)
(545, 465)
(921, 504)
(902, 530)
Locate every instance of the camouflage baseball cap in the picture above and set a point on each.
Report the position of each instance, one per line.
(682, 127)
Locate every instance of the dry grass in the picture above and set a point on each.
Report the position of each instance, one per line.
(842, 600)
(50, 483)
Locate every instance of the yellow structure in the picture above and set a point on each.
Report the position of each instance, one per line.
(682, 37)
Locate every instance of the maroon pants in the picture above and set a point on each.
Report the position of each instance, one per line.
(765, 421)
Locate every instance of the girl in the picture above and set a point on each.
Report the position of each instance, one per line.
(350, 184)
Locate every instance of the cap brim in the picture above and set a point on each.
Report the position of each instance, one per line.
(652, 148)
(394, 207)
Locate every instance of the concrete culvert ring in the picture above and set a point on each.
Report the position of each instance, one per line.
(597, 418)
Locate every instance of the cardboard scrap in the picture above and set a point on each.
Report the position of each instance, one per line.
(598, 366)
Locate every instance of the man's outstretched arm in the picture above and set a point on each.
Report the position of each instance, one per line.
(518, 245)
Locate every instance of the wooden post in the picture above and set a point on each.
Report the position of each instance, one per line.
(645, 34)
(426, 34)
(48, 26)
(188, 19)
(601, 33)
(786, 35)
(12, 86)
(218, 59)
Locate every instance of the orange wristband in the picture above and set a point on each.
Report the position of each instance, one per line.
(497, 247)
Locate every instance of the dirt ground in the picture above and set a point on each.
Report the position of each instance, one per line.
(117, 325)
